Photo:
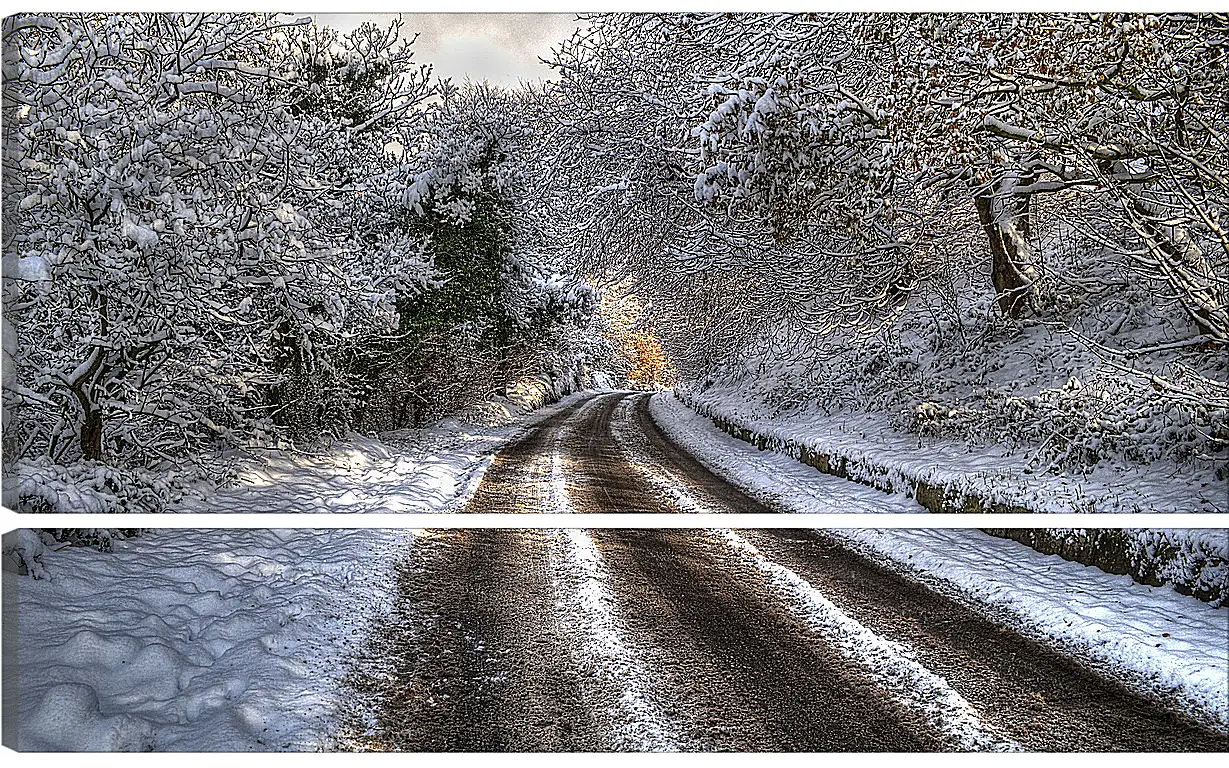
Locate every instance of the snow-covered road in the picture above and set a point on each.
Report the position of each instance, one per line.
(479, 639)
(527, 639)
(609, 453)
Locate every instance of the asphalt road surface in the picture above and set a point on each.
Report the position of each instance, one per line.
(603, 454)
(698, 640)
(686, 640)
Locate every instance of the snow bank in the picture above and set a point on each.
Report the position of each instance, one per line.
(1170, 647)
(91, 487)
(192, 640)
(1192, 561)
(772, 477)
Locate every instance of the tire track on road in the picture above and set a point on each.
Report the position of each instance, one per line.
(574, 449)
(472, 659)
(603, 479)
(712, 492)
(1034, 694)
(520, 471)
(741, 661)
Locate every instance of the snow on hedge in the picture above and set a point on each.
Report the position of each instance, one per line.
(875, 453)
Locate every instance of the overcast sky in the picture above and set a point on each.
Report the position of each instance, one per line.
(500, 47)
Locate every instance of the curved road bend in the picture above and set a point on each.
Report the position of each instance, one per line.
(783, 640)
(603, 454)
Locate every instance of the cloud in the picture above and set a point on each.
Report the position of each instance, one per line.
(503, 48)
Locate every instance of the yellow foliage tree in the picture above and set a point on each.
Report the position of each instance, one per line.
(639, 356)
(649, 364)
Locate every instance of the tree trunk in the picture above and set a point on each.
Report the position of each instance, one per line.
(91, 434)
(1004, 219)
(81, 383)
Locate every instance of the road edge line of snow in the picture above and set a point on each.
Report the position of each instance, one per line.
(695, 434)
(1144, 681)
(888, 662)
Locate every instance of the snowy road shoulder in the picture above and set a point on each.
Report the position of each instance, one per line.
(1169, 647)
(430, 470)
(772, 477)
(195, 640)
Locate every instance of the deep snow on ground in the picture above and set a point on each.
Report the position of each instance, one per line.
(1168, 646)
(194, 639)
(425, 470)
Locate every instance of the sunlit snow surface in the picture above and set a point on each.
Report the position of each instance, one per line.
(196, 639)
(410, 471)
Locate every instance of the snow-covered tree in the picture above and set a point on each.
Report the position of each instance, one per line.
(498, 298)
(360, 101)
(177, 198)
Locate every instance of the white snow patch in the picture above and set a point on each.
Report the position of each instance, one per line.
(429, 470)
(559, 502)
(144, 237)
(194, 640)
(32, 268)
